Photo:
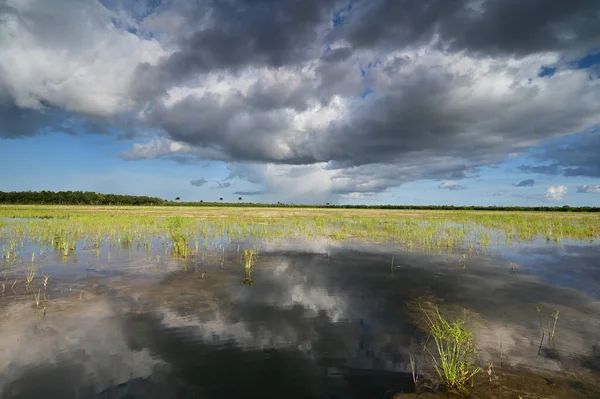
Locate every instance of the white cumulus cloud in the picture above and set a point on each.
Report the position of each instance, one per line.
(69, 55)
(556, 193)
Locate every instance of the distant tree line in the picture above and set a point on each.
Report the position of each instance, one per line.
(75, 198)
(565, 208)
(92, 198)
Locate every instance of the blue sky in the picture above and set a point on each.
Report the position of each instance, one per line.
(335, 105)
(91, 163)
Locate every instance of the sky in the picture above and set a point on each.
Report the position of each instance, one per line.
(449, 102)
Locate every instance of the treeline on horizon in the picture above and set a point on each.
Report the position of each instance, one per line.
(93, 198)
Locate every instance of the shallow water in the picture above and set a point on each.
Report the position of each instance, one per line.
(314, 319)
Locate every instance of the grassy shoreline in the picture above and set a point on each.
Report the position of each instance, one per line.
(275, 210)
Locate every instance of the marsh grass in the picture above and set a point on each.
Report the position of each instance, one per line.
(555, 316)
(551, 328)
(37, 297)
(209, 233)
(30, 275)
(455, 353)
(433, 231)
(539, 312)
(414, 370)
(181, 247)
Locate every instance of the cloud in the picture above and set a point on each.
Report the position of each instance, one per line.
(156, 148)
(278, 87)
(327, 182)
(425, 102)
(589, 188)
(555, 193)
(337, 55)
(438, 104)
(450, 185)
(525, 183)
(198, 182)
(249, 193)
(552, 169)
(486, 27)
(571, 156)
(222, 185)
(69, 55)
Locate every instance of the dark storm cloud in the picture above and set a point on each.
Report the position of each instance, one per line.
(525, 183)
(421, 114)
(198, 182)
(338, 54)
(239, 34)
(489, 26)
(242, 33)
(415, 115)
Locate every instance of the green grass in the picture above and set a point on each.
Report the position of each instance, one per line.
(181, 247)
(454, 356)
(194, 231)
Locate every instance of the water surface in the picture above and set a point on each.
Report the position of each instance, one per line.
(313, 318)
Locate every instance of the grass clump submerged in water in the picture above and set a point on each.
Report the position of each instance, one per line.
(181, 247)
(454, 360)
(181, 243)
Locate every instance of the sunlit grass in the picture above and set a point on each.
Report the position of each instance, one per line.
(433, 231)
(209, 233)
(454, 355)
(37, 297)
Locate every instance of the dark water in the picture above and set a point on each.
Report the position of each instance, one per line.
(313, 320)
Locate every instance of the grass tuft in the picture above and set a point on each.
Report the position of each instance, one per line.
(181, 247)
(454, 360)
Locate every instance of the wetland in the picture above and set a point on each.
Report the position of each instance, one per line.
(159, 302)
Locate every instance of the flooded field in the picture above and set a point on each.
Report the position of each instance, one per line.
(114, 302)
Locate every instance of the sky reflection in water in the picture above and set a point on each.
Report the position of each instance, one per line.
(319, 320)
